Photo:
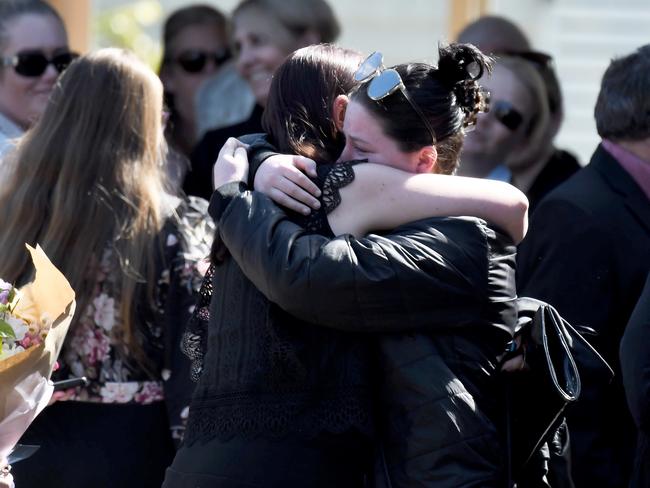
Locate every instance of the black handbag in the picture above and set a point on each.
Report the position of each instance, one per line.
(538, 397)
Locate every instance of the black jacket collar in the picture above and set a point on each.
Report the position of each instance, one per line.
(622, 183)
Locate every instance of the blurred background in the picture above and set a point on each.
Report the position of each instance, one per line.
(581, 35)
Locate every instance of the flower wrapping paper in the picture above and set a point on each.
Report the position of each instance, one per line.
(25, 386)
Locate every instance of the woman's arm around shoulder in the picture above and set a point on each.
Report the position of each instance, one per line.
(413, 278)
(382, 198)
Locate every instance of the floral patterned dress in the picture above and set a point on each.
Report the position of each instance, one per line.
(95, 348)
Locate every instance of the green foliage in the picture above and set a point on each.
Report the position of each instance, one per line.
(6, 330)
(131, 26)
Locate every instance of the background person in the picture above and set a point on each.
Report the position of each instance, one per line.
(195, 47)
(494, 34)
(586, 254)
(635, 368)
(33, 52)
(543, 166)
(264, 33)
(515, 123)
(129, 250)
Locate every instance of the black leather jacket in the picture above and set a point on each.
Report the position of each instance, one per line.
(442, 293)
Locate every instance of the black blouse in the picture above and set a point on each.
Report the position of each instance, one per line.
(261, 371)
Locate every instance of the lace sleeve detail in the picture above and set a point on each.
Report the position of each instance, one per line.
(338, 176)
(195, 337)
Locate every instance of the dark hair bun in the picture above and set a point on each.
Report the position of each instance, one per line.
(459, 68)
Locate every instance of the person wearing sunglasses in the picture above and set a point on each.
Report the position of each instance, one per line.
(195, 48)
(546, 165)
(265, 32)
(509, 134)
(33, 52)
(316, 432)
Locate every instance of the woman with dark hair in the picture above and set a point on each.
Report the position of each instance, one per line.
(195, 47)
(447, 282)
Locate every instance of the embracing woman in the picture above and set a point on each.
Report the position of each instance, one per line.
(282, 402)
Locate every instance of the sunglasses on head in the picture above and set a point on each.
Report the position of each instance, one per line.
(384, 82)
(507, 114)
(34, 63)
(194, 60)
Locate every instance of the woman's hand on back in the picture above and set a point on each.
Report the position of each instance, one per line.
(282, 178)
(231, 164)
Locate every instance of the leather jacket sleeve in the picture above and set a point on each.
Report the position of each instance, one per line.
(258, 151)
(416, 276)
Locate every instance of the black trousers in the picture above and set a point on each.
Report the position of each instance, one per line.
(340, 461)
(85, 445)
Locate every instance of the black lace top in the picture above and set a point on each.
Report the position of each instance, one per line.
(262, 372)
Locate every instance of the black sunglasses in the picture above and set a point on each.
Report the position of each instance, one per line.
(505, 113)
(35, 63)
(194, 60)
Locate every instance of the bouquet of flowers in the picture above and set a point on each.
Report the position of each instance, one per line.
(33, 323)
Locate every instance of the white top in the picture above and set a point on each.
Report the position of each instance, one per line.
(223, 100)
(9, 133)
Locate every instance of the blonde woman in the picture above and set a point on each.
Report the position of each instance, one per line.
(89, 187)
(33, 52)
(265, 32)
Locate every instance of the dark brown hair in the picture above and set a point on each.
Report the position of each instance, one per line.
(447, 95)
(623, 107)
(188, 16)
(298, 115)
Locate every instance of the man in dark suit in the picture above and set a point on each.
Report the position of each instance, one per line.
(588, 254)
(635, 366)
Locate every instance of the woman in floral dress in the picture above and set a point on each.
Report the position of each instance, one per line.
(89, 186)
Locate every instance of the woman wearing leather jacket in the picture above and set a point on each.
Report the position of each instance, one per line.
(304, 393)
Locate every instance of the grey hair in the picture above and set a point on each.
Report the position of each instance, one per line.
(622, 109)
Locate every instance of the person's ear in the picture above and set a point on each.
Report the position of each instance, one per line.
(338, 111)
(426, 160)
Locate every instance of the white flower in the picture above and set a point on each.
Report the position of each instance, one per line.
(119, 392)
(104, 312)
(10, 349)
(19, 326)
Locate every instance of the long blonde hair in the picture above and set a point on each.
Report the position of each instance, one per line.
(89, 175)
